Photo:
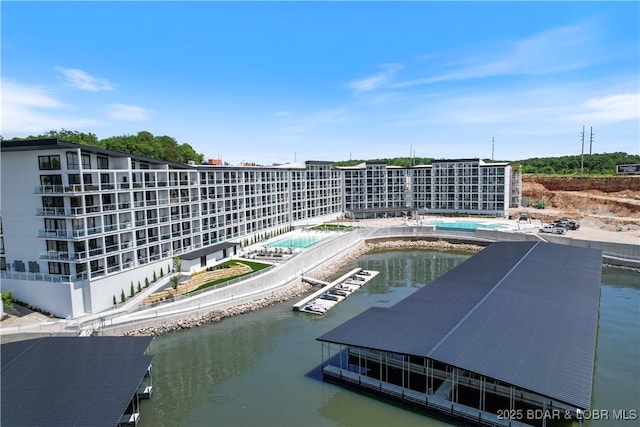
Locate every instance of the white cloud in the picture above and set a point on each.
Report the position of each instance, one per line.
(127, 112)
(84, 81)
(31, 110)
(612, 108)
(14, 94)
(556, 50)
(377, 80)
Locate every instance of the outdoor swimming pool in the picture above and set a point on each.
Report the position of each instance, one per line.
(469, 226)
(298, 242)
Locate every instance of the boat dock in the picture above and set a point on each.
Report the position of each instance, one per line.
(332, 293)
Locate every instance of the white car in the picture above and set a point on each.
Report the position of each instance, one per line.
(550, 228)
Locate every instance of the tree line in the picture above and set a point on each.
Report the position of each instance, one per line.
(595, 164)
(166, 148)
(143, 144)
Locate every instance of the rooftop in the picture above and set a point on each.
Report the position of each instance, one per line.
(71, 381)
(514, 312)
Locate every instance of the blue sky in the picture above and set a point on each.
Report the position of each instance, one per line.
(275, 82)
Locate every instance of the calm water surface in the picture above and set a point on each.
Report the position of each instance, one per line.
(262, 368)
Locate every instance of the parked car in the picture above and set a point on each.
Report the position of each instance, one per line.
(573, 225)
(553, 229)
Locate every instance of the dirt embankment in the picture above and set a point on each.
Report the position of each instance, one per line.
(612, 200)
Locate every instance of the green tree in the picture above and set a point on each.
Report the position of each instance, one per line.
(146, 282)
(122, 297)
(114, 300)
(177, 264)
(7, 299)
(174, 282)
(133, 291)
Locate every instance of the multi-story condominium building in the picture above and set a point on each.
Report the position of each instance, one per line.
(463, 186)
(78, 224)
(373, 190)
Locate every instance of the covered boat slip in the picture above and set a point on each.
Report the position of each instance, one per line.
(75, 381)
(510, 333)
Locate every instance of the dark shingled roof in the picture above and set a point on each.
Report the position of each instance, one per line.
(71, 381)
(524, 313)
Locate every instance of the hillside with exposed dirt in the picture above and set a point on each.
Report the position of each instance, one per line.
(611, 200)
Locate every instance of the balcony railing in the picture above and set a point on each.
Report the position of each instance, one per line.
(63, 255)
(94, 230)
(53, 212)
(96, 252)
(47, 189)
(97, 273)
(41, 277)
(63, 234)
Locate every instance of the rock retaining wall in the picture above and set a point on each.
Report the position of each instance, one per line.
(296, 291)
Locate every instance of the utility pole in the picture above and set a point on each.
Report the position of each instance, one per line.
(493, 146)
(582, 154)
(590, 149)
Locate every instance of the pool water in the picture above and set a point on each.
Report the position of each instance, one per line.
(463, 225)
(298, 242)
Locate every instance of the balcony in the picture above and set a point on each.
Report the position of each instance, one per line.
(53, 212)
(94, 230)
(97, 273)
(48, 189)
(63, 234)
(96, 252)
(41, 277)
(112, 248)
(61, 255)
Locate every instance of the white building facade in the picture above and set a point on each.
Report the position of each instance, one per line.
(80, 224)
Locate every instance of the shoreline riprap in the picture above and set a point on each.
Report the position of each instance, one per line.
(296, 291)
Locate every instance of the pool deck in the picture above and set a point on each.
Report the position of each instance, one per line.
(333, 293)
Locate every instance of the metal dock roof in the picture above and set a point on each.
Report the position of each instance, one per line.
(71, 381)
(524, 313)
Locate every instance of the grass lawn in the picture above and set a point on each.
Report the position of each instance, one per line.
(255, 266)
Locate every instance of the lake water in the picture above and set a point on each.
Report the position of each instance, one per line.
(262, 368)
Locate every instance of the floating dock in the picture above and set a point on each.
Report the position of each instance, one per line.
(332, 293)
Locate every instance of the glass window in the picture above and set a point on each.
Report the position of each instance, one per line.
(50, 179)
(18, 265)
(34, 267)
(52, 202)
(103, 162)
(86, 161)
(49, 162)
(72, 161)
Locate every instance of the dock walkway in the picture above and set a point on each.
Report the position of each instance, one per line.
(332, 293)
